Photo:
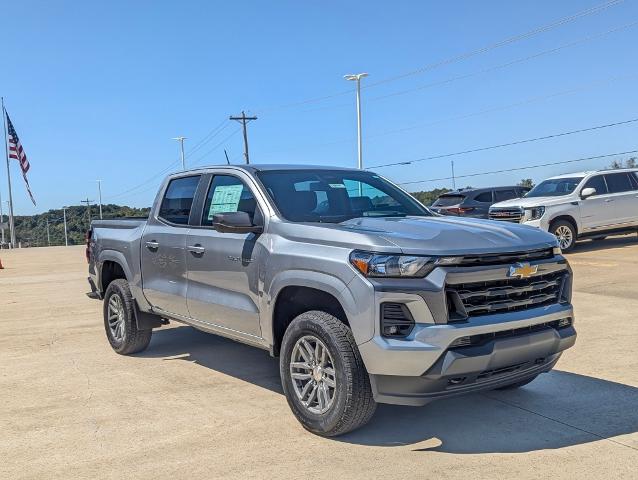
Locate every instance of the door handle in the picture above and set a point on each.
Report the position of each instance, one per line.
(196, 249)
(153, 245)
(607, 200)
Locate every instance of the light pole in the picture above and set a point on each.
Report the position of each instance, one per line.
(66, 239)
(99, 191)
(357, 78)
(181, 149)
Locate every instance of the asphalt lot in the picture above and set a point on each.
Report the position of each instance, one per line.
(199, 406)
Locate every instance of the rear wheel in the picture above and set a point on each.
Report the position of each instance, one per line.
(565, 233)
(323, 376)
(119, 320)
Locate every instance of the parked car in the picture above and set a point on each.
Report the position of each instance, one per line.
(578, 205)
(475, 202)
(363, 294)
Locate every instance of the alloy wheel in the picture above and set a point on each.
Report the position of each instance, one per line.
(116, 318)
(313, 375)
(565, 237)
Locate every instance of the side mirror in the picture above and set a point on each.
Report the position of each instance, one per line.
(235, 222)
(587, 192)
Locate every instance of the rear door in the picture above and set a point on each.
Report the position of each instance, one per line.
(163, 256)
(222, 267)
(623, 191)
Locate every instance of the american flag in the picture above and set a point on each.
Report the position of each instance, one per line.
(16, 151)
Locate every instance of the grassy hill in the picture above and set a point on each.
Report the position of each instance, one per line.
(32, 230)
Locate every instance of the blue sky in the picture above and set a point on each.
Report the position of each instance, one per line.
(97, 90)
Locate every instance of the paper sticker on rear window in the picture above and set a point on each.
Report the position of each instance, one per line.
(225, 199)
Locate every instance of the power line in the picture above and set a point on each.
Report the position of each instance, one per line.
(462, 56)
(507, 64)
(501, 43)
(516, 169)
(508, 144)
(223, 142)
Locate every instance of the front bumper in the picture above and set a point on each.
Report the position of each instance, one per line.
(471, 369)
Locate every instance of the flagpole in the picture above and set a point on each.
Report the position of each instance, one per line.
(12, 233)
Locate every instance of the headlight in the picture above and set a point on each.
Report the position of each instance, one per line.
(382, 265)
(534, 213)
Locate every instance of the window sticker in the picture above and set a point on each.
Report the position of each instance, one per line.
(225, 199)
(337, 185)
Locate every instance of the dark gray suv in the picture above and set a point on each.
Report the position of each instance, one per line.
(475, 202)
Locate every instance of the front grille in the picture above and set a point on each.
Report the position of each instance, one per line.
(511, 214)
(498, 296)
(483, 338)
(505, 258)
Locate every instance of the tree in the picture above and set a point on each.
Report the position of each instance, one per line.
(428, 197)
(631, 162)
(526, 182)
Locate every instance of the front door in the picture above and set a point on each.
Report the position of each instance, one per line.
(163, 254)
(222, 268)
(597, 211)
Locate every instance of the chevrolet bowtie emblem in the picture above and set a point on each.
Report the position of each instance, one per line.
(522, 270)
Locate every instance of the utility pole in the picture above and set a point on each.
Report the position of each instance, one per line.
(12, 230)
(181, 149)
(48, 234)
(66, 238)
(244, 120)
(88, 209)
(357, 78)
(453, 177)
(99, 190)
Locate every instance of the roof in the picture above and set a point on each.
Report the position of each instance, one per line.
(589, 172)
(258, 167)
(480, 190)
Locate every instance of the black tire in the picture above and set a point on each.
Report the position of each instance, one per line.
(134, 340)
(353, 405)
(519, 384)
(555, 229)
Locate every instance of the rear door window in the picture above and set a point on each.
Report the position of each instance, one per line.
(178, 200)
(633, 178)
(618, 182)
(485, 197)
(448, 200)
(502, 195)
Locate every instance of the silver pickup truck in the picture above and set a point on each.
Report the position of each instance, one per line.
(364, 294)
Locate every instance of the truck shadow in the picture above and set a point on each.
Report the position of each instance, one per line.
(557, 410)
(609, 243)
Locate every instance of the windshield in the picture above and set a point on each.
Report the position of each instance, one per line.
(334, 196)
(554, 187)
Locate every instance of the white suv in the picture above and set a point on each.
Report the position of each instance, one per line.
(577, 205)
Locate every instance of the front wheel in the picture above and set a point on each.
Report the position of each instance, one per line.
(323, 376)
(565, 233)
(119, 320)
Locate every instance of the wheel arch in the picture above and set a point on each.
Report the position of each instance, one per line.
(293, 300)
(567, 218)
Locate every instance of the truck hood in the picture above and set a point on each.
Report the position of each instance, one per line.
(527, 202)
(450, 235)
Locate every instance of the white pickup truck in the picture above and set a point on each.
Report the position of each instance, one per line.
(577, 205)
